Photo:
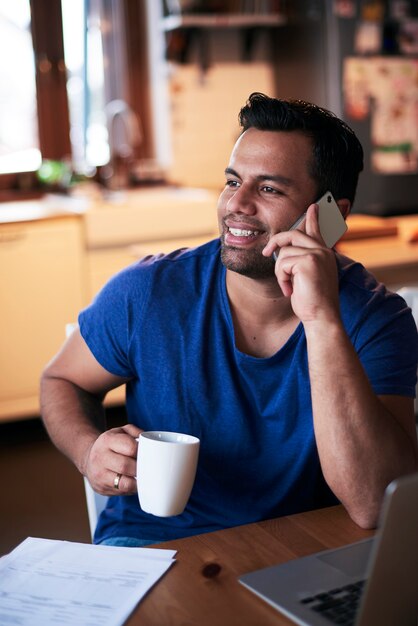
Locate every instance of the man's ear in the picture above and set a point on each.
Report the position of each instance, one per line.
(344, 205)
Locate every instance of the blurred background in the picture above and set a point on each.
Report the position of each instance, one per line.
(117, 118)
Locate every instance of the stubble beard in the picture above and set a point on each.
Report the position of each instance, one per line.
(250, 263)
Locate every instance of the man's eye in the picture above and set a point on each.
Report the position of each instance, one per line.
(269, 189)
(232, 183)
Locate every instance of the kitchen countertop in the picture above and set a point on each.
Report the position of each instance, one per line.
(150, 214)
(177, 216)
(49, 206)
(117, 218)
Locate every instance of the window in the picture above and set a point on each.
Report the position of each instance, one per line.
(84, 61)
(19, 141)
(53, 104)
(34, 112)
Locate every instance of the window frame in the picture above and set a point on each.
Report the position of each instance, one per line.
(51, 95)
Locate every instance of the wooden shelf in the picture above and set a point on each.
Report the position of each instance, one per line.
(196, 28)
(223, 20)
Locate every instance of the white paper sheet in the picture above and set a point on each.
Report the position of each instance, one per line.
(45, 582)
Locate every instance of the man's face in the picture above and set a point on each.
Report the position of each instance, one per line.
(268, 186)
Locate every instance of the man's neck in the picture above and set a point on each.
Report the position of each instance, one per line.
(261, 299)
(263, 318)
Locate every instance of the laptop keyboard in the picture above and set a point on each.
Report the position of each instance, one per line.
(339, 605)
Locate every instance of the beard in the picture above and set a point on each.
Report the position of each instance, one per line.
(250, 263)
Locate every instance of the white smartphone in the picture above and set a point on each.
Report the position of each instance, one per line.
(331, 222)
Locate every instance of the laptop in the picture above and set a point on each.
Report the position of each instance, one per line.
(373, 582)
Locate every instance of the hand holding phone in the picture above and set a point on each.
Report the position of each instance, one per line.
(331, 222)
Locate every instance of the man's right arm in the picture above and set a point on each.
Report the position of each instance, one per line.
(73, 386)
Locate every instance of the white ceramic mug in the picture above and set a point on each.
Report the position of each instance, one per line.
(166, 469)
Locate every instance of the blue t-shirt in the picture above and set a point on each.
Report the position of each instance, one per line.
(165, 321)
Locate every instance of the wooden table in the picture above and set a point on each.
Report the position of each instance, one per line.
(201, 588)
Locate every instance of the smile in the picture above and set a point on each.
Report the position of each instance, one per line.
(239, 232)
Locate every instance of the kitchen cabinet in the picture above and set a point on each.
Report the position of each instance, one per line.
(55, 255)
(42, 287)
(104, 263)
(145, 221)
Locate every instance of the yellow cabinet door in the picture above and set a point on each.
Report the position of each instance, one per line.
(41, 289)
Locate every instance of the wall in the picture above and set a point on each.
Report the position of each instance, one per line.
(289, 62)
(205, 94)
(204, 117)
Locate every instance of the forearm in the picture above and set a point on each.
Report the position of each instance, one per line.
(361, 445)
(73, 418)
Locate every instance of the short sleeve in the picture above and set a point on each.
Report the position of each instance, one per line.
(387, 345)
(106, 325)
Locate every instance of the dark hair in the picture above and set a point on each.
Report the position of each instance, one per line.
(337, 153)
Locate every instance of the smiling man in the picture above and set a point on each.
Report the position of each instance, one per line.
(264, 194)
(297, 374)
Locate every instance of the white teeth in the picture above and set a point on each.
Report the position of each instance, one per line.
(238, 232)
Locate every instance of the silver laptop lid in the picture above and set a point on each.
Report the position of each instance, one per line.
(391, 593)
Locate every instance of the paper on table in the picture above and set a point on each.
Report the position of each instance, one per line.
(45, 582)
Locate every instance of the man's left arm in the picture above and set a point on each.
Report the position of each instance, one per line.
(364, 440)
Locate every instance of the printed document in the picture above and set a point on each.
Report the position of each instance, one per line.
(45, 582)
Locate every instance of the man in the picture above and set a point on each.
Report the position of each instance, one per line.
(298, 375)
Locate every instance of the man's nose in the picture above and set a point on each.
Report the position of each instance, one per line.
(242, 202)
